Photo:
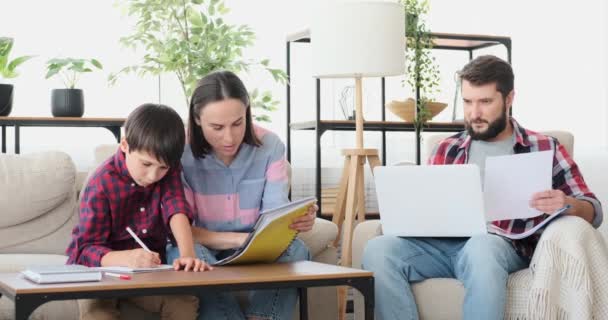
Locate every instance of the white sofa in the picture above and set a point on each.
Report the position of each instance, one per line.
(442, 298)
(39, 209)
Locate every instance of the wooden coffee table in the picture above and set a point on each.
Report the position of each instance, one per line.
(27, 296)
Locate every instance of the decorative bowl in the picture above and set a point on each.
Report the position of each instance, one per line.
(405, 109)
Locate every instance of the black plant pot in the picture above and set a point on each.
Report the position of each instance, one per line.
(6, 99)
(67, 103)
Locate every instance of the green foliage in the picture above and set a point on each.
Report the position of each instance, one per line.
(8, 67)
(191, 39)
(421, 68)
(70, 69)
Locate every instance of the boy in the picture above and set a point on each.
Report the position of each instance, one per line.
(139, 187)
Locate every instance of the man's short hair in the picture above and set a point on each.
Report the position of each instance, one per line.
(158, 130)
(489, 69)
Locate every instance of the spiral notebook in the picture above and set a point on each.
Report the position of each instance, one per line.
(271, 234)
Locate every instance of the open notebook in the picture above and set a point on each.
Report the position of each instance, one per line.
(162, 267)
(271, 234)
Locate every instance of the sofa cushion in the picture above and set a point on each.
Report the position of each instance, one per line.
(317, 239)
(18, 262)
(38, 202)
(31, 185)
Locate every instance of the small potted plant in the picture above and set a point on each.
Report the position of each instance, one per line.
(8, 71)
(69, 102)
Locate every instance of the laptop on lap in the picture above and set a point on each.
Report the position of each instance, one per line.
(430, 201)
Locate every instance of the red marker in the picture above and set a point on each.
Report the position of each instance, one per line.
(118, 275)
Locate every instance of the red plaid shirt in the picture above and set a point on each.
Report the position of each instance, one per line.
(112, 201)
(566, 177)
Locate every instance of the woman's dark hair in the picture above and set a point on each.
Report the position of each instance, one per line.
(489, 69)
(214, 87)
(158, 130)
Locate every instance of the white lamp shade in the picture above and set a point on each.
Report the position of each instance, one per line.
(358, 39)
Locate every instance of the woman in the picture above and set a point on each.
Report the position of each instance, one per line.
(233, 170)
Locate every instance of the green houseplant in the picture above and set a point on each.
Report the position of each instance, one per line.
(421, 71)
(421, 67)
(8, 70)
(190, 39)
(69, 102)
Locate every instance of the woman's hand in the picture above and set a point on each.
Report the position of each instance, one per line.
(305, 222)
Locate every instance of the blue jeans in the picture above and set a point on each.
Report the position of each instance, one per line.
(482, 263)
(266, 304)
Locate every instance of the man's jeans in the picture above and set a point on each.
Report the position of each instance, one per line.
(482, 263)
(265, 304)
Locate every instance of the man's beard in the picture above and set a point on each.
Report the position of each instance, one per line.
(494, 128)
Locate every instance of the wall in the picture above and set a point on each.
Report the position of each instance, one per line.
(559, 58)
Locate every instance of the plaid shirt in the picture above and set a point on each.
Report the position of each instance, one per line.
(566, 177)
(112, 201)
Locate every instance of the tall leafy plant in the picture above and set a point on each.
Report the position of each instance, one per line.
(421, 68)
(191, 39)
(8, 68)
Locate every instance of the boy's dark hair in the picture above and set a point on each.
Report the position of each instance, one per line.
(158, 130)
(489, 69)
(217, 86)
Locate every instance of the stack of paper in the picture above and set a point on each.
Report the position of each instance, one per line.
(162, 267)
(510, 181)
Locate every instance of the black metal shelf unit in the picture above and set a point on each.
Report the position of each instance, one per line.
(442, 41)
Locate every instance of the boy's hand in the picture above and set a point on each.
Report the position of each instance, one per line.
(140, 258)
(189, 263)
(305, 222)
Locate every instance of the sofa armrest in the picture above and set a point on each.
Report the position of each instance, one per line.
(364, 232)
(320, 237)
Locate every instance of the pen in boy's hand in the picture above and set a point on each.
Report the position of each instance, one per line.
(141, 243)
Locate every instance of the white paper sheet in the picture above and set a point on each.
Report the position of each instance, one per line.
(160, 267)
(510, 181)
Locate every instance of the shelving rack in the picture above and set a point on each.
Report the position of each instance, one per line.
(442, 41)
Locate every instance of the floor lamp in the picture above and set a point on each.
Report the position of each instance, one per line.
(356, 39)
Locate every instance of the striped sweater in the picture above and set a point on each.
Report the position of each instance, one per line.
(230, 198)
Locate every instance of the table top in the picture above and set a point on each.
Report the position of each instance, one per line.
(15, 284)
(11, 119)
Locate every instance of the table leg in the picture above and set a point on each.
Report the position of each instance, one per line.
(303, 293)
(17, 149)
(3, 139)
(366, 287)
(115, 131)
(25, 307)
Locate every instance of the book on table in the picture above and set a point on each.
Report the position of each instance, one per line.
(271, 234)
(61, 273)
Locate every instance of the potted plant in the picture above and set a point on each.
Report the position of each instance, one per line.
(191, 39)
(69, 102)
(421, 68)
(8, 71)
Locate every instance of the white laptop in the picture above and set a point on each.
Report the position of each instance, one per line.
(430, 201)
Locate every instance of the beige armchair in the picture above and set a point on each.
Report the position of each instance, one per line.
(450, 292)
